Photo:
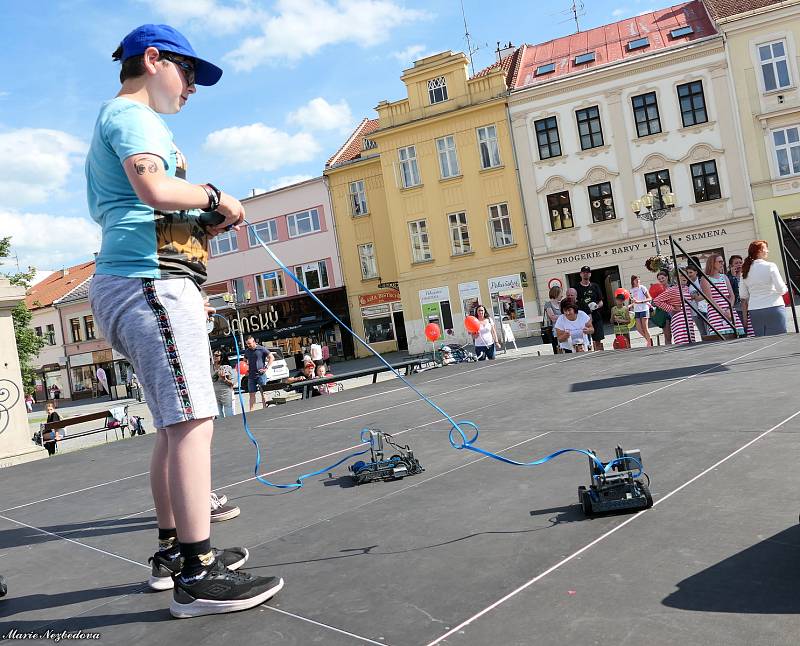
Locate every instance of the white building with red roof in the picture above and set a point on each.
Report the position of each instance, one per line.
(603, 117)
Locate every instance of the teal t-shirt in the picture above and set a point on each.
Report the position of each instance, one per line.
(138, 240)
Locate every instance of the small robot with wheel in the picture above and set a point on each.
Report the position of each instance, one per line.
(619, 489)
(398, 466)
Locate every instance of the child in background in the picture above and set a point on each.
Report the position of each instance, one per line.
(621, 318)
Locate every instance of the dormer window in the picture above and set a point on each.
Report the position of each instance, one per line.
(437, 90)
(639, 43)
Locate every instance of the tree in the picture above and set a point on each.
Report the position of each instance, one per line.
(28, 342)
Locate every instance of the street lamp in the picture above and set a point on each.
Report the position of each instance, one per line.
(233, 300)
(653, 206)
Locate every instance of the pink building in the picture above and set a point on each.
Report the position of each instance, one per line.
(297, 223)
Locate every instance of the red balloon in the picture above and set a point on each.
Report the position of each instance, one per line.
(432, 331)
(623, 291)
(472, 324)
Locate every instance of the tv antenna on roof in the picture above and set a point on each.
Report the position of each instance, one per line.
(577, 10)
(470, 49)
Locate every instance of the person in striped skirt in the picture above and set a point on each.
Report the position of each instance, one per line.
(671, 302)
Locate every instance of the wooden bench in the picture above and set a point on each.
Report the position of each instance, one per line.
(105, 415)
(307, 385)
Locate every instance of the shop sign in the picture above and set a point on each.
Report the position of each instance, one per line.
(504, 284)
(397, 307)
(389, 285)
(378, 298)
(102, 356)
(434, 295)
(84, 359)
(259, 322)
(470, 295)
(375, 310)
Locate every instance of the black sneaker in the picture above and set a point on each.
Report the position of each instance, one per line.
(221, 511)
(164, 569)
(217, 590)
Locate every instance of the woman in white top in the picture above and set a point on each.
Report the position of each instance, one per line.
(640, 298)
(486, 336)
(573, 327)
(761, 291)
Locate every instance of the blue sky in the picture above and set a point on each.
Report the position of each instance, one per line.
(298, 75)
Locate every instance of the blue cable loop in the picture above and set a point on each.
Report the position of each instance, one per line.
(456, 427)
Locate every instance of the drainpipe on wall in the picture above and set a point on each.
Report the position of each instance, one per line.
(338, 255)
(524, 208)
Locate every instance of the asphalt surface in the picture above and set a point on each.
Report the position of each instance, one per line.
(471, 552)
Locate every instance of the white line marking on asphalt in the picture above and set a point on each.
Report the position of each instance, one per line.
(70, 540)
(319, 623)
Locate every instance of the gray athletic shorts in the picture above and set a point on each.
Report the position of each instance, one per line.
(160, 327)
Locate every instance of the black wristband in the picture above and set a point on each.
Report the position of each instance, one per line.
(214, 195)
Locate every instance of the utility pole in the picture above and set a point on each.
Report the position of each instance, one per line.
(470, 49)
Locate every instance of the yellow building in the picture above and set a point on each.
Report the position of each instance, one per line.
(763, 45)
(453, 228)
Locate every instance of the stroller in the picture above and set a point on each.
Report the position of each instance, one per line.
(454, 353)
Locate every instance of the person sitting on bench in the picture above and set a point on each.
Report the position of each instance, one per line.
(49, 438)
(308, 373)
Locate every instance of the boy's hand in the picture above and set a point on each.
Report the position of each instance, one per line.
(233, 211)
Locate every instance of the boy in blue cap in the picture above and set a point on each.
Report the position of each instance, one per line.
(146, 298)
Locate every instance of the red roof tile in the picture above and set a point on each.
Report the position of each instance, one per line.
(57, 285)
(509, 65)
(726, 8)
(354, 146)
(609, 42)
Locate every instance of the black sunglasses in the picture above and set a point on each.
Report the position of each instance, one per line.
(186, 68)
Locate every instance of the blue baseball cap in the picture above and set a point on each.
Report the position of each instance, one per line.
(168, 39)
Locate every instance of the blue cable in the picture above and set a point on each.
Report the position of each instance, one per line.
(464, 442)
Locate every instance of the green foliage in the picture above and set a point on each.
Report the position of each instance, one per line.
(28, 343)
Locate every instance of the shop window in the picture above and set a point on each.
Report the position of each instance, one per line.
(303, 223)
(314, 275)
(270, 285)
(88, 325)
(378, 324)
(358, 198)
(589, 127)
(774, 65)
(560, 209)
(420, 247)
(488, 147)
(366, 257)
(693, 103)
(547, 137)
(82, 379)
(75, 328)
(459, 233)
(448, 160)
(409, 170)
(602, 202)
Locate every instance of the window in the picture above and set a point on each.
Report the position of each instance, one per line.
(437, 90)
(657, 184)
(580, 59)
(366, 256)
(693, 103)
(681, 31)
(51, 334)
(602, 202)
(75, 327)
(409, 171)
(645, 112)
(358, 198)
(459, 234)
(38, 331)
(313, 274)
(547, 137)
(560, 209)
(88, 325)
(448, 161)
(224, 243)
(639, 43)
(267, 231)
(303, 223)
(420, 249)
(589, 127)
(270, 285)
(548, 68)
(377, 324)
(487, 143)
(500, 234)
(705, 181)
(774, 66)
(787, 150)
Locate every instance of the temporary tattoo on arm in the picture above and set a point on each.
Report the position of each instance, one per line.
(144, 165)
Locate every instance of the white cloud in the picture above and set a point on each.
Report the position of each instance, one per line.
(410, 54)
(288, 180)
(48, 241)
(35, 164)
(260, 147)
(318, 114)
(212, 16)
(620, 12)
(302, 27)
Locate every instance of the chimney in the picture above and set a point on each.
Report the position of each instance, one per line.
(64, 272)
(504, 51)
